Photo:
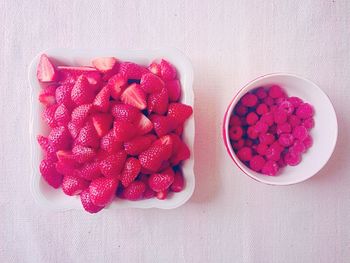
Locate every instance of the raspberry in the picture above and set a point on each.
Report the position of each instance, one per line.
(287, 106)
(300, 132)
(261, 93)
(273, 152)
(248, 143)
(252, 133)
(266, 138)
(267, 118)
(235, 133)
(280, 100)
(292, 158)
(295, 101)
(270, 168)
(235, 121)
(261, 149)
(304, 111)
(268, 101)
(308, 141)
(281, 163)
(308, 123)
(284, 128)
(262, 109)
(280, 116)
(244, 154)
(275, 92)
(249, 100)
(293, 120)
(241, 110)
(238, 145)
(252, 118)
(257, 163)
(261, 127)
(273, 129)
(286, 139)
(298, 147)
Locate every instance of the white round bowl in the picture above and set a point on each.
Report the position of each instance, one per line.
(324, 133)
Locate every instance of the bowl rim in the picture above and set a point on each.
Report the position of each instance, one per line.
(228, 113)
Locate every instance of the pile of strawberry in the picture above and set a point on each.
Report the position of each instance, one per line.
(269, 130)
(115, 129)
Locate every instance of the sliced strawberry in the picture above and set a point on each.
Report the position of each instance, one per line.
(162, 124)
(151, 83)
(134, 96)
(154, 67)
(168, 71)
(158, 102)
(132, 70)
(46, 71)
(82, 92)
(174, 90)
(104, 64)
(80, 114)
(62, 115)
(66, 157)
(144, 125)
(139, 144)
(124, 130)
(102, 123)
(63, 95)
(131, 170)
(101, 102)
(178, 184)
(90, 171)
(180, 112)
(83, 154)
(113, 164)
(122, 112)
(134, 191)
(110, 144)
(102, 190)
(48, 115)
(69, 74)
(49, 173)
(85, 199)
(73, 185)
(161, 181)
(43, 142)
(117, 85)
(47, 95)
(59, 138)
(182, 153)
(88, 136)
(73, 129)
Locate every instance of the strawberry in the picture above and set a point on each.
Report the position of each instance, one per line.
(90, 171)
(66, 168)
(48, 115)
(62, 95)
(59, 138)
(161, 181)
(151, 83)
(73, 129)
(180, 112)
(102, 190)
(47, 95)
(102, 123)
(124, 131)
(154, 67)
(80, 114)
(117, 85)
(134, 191)
(131, 170)
(134, 96)
(85, 199)
(174, 90)
(148, 193)
(113, 164)
(132, 70)
(62, 115)
(178, 183)
(104, 64)
(162, 124)
(168, 71)
(88, 136)
(82, 92)
(139, 144)
(83, 154)
(182, 153)
(66, 157)
(179, 130)
(73, 185)
(49, 173)
(43, 142)
(164, 165)
(162, 195)
(144, 125)
(101, 155)
(158, 102)
(167, 144)
(123, 112)
(110, 144)
(46, 71)
(71, 74)
(101, 101)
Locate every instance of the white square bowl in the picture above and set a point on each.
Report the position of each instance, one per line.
(52, 198)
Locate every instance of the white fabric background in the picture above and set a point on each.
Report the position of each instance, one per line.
(230, 218)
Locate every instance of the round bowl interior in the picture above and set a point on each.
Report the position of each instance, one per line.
(324, 133)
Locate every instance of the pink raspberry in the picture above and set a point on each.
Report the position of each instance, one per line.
(235, 121)
(252, 118)
(284, 128)
(274, 152)
(235, 133)
(304, 111)
(261, 127)
(238, 144)
(279, 100)
(308, 123)
(295, 101)
(267, 118)
(292, 158)
(266, 138)
(275, 91)
(280, 116)
(287, 106)
(308, 142)
(249, 100)
(261, 93)
(262, 109)
(248, 142)
(261, 148)
(244, 121)
(241, 110)
(268, 101)
(257, 163)
(300, 132)
(294, 120)
(286, 139)
(298, 147)
(252, 133)
(244, 154)
(273, 108)
(281, 162)
(273, 129)
(270, 168)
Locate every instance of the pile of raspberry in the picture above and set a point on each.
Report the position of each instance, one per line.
(269, 130)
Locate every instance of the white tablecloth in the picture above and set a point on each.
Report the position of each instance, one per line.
(230, 218)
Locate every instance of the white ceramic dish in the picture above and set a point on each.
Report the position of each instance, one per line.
(324, 133)
(55, 198)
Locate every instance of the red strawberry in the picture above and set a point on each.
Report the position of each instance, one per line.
(102, 123)
(124, 131)
(182, 153)
(104, 64)
(117, 84)
(161, 181)
(66, 157)
(134, 96)
(154, 67)
(47, 95)
(102, 190)
(144, 125)
(59, 138)
(82, 93)
(139, 144)
(162, 195)
(110, 144)
(132, 70)
(178, 183)
(134, 191)
(113, 164)
(90, 171)
(180, 112)
(167, 70)
(48, 115)
(73, 129)
(174, 89)
(80, 114)
(88, 136)
(71, 74)
(158, 102)
(101, 155)
(46, 71)
(163, 124)
(63, 95)
(101, 101)
(164, 165)
(85, 199)
(167, 144)
(151, 83)
(149, 193)
(179, 130)
(83, 154)
(131, 170)
(43, 142)
(123, 112)
(73, 185)
(49, 173)
(66, 169)
(62, 115)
